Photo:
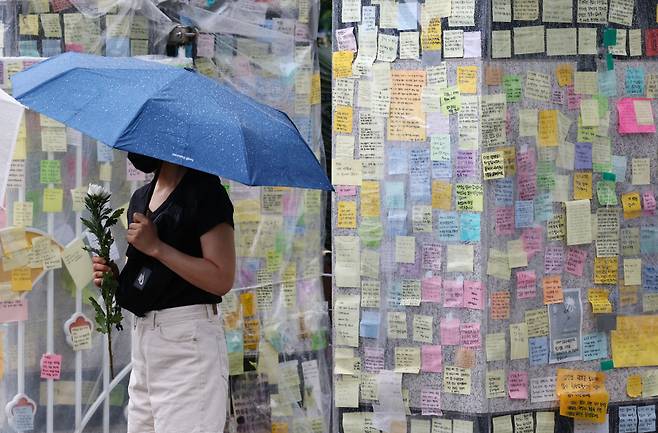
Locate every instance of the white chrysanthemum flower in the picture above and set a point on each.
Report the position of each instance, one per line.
(97, 190)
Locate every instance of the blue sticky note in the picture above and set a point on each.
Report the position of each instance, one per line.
(397, 222)
(538, 350)
(543, 206)
(28, 48)
(649, 240)
(504, 192)
(117, 47)
(583, 156)
(104, 153)
(650, 278)
(619, 167)
(394, 294)
(524, 214)
(408, 15)
(607, 83)
(369, 326)
(51, 47)
(419, 175)
(448, 227)
(469, 227)
(595, 346)
(442, 169)
(634, 82)
(394, 195)
(234, 341)
(397, 161)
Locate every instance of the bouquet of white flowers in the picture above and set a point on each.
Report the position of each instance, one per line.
(101, 220)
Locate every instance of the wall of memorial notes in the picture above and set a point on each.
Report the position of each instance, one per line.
(563, 153)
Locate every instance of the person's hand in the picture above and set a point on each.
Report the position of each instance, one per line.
(100, 267)
(143, 235)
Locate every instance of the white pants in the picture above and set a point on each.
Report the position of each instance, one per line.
(179, 380)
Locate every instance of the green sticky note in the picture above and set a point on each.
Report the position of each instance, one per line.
(117, 395)
(512, 85)
(605, 192)
(235, 363)
(50, 171)
(609, 61)
(546, 175)
(609, 37)
(371, 232)
(604, 106)
(318, 340)
(610, 176)
(607, 365)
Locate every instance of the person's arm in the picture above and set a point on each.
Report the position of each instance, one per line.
(214, 272)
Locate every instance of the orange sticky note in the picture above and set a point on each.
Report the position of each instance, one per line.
(590, 406)
(564, 74)
(547, 128)
(553, 289)
(441, 195)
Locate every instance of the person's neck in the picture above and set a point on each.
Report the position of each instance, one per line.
(170, 174)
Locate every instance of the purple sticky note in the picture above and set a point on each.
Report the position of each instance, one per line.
(583, 156)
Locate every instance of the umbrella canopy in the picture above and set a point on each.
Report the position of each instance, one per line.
(11, 113)
(172, 114)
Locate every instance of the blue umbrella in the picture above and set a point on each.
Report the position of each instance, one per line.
(172, 114)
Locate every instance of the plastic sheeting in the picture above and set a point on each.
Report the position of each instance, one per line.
(494, 220)
(275, 318)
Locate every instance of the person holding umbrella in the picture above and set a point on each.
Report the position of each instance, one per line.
(181, 260)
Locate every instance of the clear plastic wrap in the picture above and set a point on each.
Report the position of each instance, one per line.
(276, 319)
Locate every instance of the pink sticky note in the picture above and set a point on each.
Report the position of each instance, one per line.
(430, 289)
(51, 366)
(517, 382)
(345, 39)
(13, 311)
(454, 293)
(470, 335)
(628, 123)
(205, 45)
(374, 359)
(133, 174)
(473, 295)
(526, 287)
(576, 261)
(290, 203)
(648, 203)
(504, 221)
(432, 254)
(430, 401)
(345, 190)
(533, 241)
(553, 259)
(431, 358)
(450, 332)
(573, 100)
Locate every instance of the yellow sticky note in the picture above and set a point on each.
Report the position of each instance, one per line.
(13, 239)
(21, 279)
(632, 205)
(78, 263)
(23, 212)
(105, 172)
(20, 150)
(634, 341)
(405, 249)
(634, 386)
(467, 77)
(441, 195)
(316, 93)
(346, 218)
(28, 25)
(342, 64)
(431, 36)
(343, 116)
(52, 199)
(582, 185)
(547, 128)
(407, 360)
(605, 270)
(470, 197)
(370, 199)
(599, 300)
(493, 165)
(564, 74)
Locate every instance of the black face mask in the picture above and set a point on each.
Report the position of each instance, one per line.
(143, 163)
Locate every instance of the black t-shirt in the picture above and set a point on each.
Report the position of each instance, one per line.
(197, 204)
